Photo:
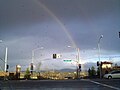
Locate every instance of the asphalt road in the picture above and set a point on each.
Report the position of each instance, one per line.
(83, 84)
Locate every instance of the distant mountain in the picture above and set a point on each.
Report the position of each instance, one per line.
(84, 67)
(67, 70)
(88, 65)
(62, 70)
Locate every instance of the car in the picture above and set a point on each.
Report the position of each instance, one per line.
(112, 74)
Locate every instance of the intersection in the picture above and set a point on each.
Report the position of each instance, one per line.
(82, 84)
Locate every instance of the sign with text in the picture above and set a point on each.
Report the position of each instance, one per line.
(67, 60)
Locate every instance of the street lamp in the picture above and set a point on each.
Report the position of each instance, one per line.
(78, 60)
(99, 55)
(6, 57)
(78, 53)
(5, 62)
(33, 52)
(33, 55)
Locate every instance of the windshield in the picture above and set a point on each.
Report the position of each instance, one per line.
(58, 39)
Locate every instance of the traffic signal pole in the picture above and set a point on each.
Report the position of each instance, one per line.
(78, 60)
(99, 56)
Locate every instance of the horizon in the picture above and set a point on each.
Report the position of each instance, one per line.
(52, 26)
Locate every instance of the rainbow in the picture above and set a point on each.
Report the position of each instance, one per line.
(58, 21)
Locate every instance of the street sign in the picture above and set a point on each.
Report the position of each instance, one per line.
(67, 60)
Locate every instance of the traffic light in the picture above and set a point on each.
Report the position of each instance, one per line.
(54, 56)
(7, 67)
(97, 63)
(31, 67)
(79, 66)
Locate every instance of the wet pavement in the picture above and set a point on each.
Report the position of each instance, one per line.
(56, 85)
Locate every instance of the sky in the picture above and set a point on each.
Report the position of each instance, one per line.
(56, 24)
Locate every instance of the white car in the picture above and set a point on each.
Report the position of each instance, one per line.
(113, 74)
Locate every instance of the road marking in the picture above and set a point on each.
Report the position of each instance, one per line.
(105, 85)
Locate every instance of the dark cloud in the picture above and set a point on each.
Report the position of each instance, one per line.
(83, 10)
(17, 13)
(29, 24)
(25, 12)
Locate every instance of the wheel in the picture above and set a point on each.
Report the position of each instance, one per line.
(109, 77)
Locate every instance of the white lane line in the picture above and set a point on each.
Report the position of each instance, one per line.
(105, 85)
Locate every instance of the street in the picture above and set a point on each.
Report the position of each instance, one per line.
(82, 84)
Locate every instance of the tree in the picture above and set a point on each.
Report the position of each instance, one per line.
(92, 71)
(89, 72)
(27, 74)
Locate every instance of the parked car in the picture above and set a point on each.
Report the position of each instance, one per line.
(112, 74)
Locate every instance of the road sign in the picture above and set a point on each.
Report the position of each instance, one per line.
(67, 60)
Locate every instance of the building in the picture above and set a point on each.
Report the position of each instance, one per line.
(106, 67)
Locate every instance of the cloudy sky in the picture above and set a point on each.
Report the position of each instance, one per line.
(55, 24)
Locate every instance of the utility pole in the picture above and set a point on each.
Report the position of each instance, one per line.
(6, 57)
(33, 57)
(77, 61)
(78, 57)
